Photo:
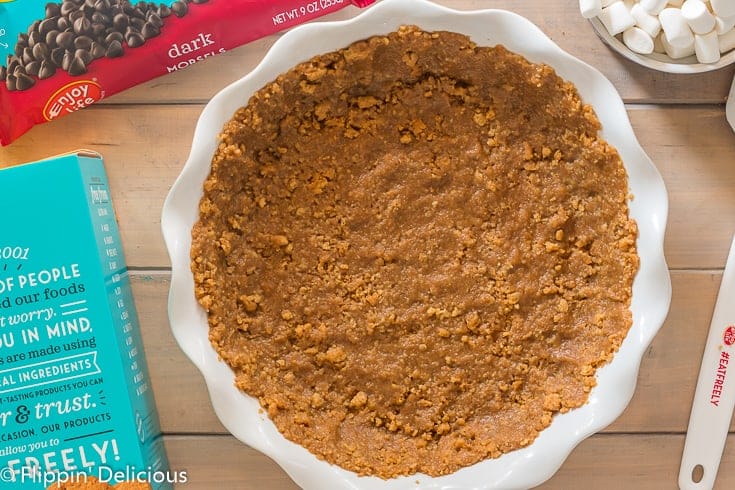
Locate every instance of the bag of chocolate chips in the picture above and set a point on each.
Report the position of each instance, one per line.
(58, 57)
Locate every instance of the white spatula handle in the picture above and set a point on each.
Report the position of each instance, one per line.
(714, 397)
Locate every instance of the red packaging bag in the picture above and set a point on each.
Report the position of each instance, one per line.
(59, 57)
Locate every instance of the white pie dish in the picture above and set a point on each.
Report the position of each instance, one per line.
(523, 468)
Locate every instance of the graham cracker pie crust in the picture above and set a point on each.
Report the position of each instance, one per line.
(415, 251)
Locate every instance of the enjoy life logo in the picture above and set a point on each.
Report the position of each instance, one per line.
(729, 335)
(72, 97)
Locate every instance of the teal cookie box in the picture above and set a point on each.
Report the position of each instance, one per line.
(75, 397)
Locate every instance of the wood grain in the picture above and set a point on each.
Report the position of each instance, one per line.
(661, 403)
(559, 19)
(145, 134)
(145, 148)
(602, 462)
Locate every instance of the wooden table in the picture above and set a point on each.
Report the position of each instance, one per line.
(145, 133)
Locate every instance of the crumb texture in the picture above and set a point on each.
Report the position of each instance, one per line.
(414, 251)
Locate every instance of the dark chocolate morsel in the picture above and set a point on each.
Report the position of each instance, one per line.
(82, 26)
(77, 67)
(62, 24)
(68, 7)
(47, 25)
(3, 73)
(27, 55)
(137, 13)
(179, 8)
(65, 40)
(102, 6)
(150, 30)
(14, 61)
(10, 82)
(113, 36)
(57, 55)
(34, 38)
(66, 61)
(83, 42)
(76, 15)
(40, 51)
(153, 18)
(163, 11)
(24, 82)
(120, 22)
(53, 10)
(97, 50)
(51, 38)
(33, 67)
(138, 23)
(98, 29)
(47, 70)
(100, 18)
(114, 49)
(83, 55)
(134, 39)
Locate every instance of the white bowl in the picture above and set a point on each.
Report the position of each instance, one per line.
(658, 61)
(525, 467)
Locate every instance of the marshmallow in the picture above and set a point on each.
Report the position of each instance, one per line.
(723, 8)
(590, 8)
(616, 18)
(653, 7)
(676, 28)
(707, 47)
(676, 52)
(700, 20)
(727, 41)
(638, 40)
(724, 24)
(649, 23)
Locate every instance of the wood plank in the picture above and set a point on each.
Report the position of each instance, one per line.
(180, 392)
(596, 463)
(223, 462)
(691, 146)
(669, 369)
(559, 19)
(145, 135)
(661, 403)
(144, 148)
(632, 461)
(694, 150)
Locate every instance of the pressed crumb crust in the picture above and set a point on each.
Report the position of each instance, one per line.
(414, 251)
